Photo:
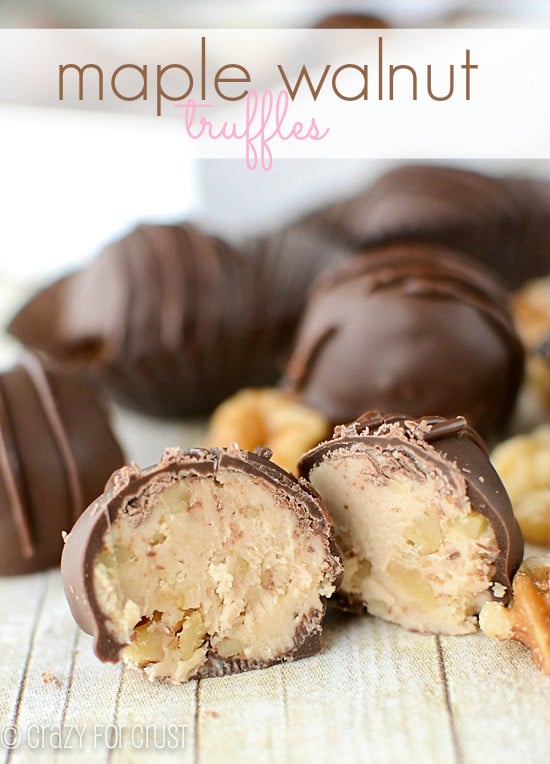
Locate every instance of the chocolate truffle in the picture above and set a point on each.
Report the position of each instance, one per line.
(412, 328)
(56, 452)
(169, 319)
(425, 526)
(503, 222)
(283, 267)
(350, 21)
(212, 562)
(533, 257)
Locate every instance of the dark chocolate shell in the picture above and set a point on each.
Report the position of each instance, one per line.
(169, 319)
(350, 21)
(425, 524)
(410, 327)
(503, 222)
(211, 562)
(56, 452)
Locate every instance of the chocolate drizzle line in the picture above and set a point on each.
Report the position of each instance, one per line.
(38, 377)
(10, 469)
(436, 428)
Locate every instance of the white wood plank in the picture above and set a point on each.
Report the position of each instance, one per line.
(500, 701)
(155, 719)
(242, 718)
(91, 703)
(48, 676)
(20, 606)
(374, 695)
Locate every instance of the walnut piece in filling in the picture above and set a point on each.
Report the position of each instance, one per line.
(212, 562)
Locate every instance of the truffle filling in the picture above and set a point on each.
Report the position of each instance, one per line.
(414, 550)
(196, 568)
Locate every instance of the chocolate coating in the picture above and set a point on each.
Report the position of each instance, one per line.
(351, 21)
(56, 452)
(503, 222)
(170, 320)
(414, 328)
(448, 446)
(286, 264)
(129, 500)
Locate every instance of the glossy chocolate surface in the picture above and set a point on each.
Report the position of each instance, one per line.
(171, 320)
(56, 452)
(503, 222)
(414, 328)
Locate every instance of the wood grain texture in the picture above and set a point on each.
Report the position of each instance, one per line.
(377, 693)
(499, 700)
(374, 695)
(22, 605)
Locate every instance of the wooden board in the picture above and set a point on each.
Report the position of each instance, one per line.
(377, 693)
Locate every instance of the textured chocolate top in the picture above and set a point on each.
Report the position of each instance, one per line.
(86, 539)
(415, 328)
(453, 445)
(56, 452)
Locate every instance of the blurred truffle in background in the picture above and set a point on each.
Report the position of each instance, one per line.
(172, 320)
(503, 222)
(350, 21)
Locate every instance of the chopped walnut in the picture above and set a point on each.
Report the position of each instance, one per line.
(49, 678)
(268, 417)
(527, 618)
(531, 308)
(523, 463)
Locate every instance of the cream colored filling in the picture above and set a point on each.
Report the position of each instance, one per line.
(215, 564)
(414, 551)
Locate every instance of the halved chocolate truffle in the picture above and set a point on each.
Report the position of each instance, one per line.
(56, 452)
(413, 328)
(214, 561)
(169, 319)
(425, 525)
